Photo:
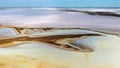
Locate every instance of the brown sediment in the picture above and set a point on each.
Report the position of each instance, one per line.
(49, 40)
(18, 30)
(47, 29)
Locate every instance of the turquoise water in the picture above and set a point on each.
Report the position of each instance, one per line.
(59, 3)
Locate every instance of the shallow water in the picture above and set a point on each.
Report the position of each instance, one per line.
(54, 38)
(55, 17)
(105, 48)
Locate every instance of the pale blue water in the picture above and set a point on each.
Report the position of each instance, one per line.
(59, 3)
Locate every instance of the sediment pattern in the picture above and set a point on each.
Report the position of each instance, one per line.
(53, 40)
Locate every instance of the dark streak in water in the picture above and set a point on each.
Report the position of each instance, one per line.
(96, 13)
(83, 47)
